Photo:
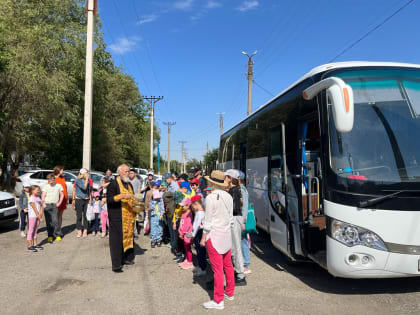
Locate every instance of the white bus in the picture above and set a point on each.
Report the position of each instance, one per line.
(332, 167)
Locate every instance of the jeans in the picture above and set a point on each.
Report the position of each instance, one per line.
(237, 257)
(171, 232)
(95, 227)
(23, 218)
(245, 250)
(32, 229)
(81, 207)
(201, 251)
(221, 264)
(156, 228)
(50, 213)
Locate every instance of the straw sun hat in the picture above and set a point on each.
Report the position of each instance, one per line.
(217, 178)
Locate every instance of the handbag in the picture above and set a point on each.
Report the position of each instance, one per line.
(146, 225)
(251, 223)
(89, 212)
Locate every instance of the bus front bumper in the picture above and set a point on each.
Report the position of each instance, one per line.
(365, 262)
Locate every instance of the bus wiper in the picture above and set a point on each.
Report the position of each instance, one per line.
(371, 202)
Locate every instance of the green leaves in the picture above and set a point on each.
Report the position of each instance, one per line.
(42, 72)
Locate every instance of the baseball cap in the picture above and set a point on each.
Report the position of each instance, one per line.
(185, 202)
(195, 181)
(186, 185)
(232, 173)
(166, 176)
(83, 171)
(195, 198)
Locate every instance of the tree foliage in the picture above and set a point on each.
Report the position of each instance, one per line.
(210, 159)
(42, 74)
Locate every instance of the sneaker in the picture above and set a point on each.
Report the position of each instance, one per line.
(50, 239)
(58, 239)
(22, 233)
(39, 247)
(239, 282)
(180, 259)
(213, 305)
(229, 298)
(186, 265)
(200, 273)
(169, 245)
(152, 244)
(159, 244)
(32, 249)
(247, 271)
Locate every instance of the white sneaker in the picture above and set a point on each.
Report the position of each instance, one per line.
(213, 305)
(230, 298)
(200, 273)
(22, 233)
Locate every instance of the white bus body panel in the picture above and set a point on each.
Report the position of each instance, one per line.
(399, 227)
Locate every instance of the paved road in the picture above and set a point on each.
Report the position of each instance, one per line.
(74, 277)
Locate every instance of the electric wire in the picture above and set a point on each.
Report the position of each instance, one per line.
(346, 49)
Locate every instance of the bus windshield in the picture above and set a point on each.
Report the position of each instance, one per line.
(384, 144)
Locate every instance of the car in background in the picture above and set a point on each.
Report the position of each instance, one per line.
(39, 177)
(8, 208)
(96, 178)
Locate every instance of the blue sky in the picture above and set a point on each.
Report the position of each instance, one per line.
(189, 51)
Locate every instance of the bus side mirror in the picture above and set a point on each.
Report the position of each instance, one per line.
(340, 96)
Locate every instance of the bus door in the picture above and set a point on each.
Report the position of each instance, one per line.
(277, 189)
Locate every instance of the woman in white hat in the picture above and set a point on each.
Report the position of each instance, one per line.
(217, 238)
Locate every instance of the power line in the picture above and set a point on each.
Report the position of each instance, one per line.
(262, 88)
(372, 30)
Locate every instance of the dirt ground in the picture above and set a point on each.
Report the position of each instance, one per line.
(75, 277)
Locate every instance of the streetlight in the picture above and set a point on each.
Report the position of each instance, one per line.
(250, 74)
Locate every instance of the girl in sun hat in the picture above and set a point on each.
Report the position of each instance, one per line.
(217, 239)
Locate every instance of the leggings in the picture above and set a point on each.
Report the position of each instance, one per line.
(32, 229)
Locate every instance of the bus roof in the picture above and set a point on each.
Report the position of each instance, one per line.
(323, 68)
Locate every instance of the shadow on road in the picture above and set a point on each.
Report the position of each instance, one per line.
(7, 227)
(319, 279)
(138, 250)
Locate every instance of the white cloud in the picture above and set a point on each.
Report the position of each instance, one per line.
(148, 19)
(196, 17)
(212, 4)
(183, 4)
(124, 45)
(248, 5)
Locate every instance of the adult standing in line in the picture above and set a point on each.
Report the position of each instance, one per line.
(121, 219)
(217, 238)
(168, 198)
(52, 197)
(82, 198)
(60, 180)
(198, 174)
(232, 178)
(108, 175)
(244, 237)
(172, 184)
(135, 182)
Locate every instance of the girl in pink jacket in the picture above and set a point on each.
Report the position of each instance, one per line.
(185, 229)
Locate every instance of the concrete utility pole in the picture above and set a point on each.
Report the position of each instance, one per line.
(153, 100)
(87, 120)
(221, 122)
(169, 124)
(250, 75)
(182, 155)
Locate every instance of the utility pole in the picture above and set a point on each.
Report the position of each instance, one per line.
(169, 124)
(182, 155)
(221, 122)
(250, 75)
(153, 100)
(87, 119)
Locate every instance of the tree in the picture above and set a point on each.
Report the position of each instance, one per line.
(42, 74)
(210, 160)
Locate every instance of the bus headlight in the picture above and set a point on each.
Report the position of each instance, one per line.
(352, 235)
